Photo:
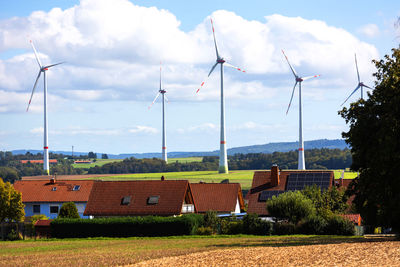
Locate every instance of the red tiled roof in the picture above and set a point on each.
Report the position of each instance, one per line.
(42, 190)
(262, 182)
(217, 197)
(106, 197)
(37, 161)
(43, 223)
(354, 218)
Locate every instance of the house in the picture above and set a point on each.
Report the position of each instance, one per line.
(47, 196)
(140, 198)
(274, 182)
(222, 198)
(37, 161)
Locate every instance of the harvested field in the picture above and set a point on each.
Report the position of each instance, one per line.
(345, 254)
(248, 250)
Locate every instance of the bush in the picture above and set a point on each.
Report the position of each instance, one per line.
(292, 206)
(233, 227)
(68, 210)
(284, 228)
(313, 225)
(337, 225)
(14, 235)
(126, 226)
(205, 230)
(255, 226)
(211, 220)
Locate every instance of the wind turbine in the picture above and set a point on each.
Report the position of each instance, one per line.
(223, 160)
(45, 143)
(360, 84)
(164, 97)
(299, 80)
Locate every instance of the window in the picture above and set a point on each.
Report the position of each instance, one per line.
(54, 189)
(126, 200)
(153, 200)
(36, 208)
(54, 209)
(76, 188)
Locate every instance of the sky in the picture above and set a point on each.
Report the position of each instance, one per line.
(98, 99)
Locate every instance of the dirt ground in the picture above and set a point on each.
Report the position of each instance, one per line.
(344, 254)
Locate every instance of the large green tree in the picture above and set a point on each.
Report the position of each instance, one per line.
(374, 137)
(11, 207)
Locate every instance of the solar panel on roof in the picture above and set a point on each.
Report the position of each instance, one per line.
(265, 195)
(297, 181)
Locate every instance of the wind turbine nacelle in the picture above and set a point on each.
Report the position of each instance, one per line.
(162, 91)
(221, 60)
(298, 79)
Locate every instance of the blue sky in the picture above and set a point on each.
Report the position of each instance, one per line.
(98, 99)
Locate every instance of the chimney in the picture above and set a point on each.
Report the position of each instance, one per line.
(274, 175)
(162, 178)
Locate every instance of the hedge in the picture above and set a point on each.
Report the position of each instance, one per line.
(126, 226)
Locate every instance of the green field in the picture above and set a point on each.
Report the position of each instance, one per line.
(185, 160)
(98, 162)
(243, 177)
(123, 251)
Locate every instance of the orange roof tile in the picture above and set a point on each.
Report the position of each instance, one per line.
(106, 197)
(42, 190)
(217, 197)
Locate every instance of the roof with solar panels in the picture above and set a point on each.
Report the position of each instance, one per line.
(274, 182)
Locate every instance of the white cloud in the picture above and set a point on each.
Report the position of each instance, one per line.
(112, 50)
(204, 127)
(143, 129)
(370, 30)
(38, 130)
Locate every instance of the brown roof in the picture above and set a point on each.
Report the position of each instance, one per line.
(24, 161)
(106, 198)
(217, 197)
(42, 190)
(262, 182)
(43, 223)
(354, 218)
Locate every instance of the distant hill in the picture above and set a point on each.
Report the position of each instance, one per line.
(267, 148)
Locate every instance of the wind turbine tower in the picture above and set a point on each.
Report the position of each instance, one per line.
(360, 84)
(223, 158)
(164, 137)
(43, 70)
(299, 80)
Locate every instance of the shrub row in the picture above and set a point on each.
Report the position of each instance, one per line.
(126, 226)
(316, 225)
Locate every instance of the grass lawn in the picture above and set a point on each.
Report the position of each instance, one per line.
(243, 177)
(122, 251)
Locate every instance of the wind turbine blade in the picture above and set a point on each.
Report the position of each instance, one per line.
(52, 65)
(33, 90)
(351, 94)
(291, 98)
(231, 66)
(358, 74)
(36, 55)
(294, 72)
(310, 77)
(166, 98)
(367, 86)
(212, 69)
(154, 100)
(215, 42)
(202, 84)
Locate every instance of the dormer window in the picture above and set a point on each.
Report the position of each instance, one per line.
(126, 200)
(54, 188)
(76, 188)
(152, 200)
